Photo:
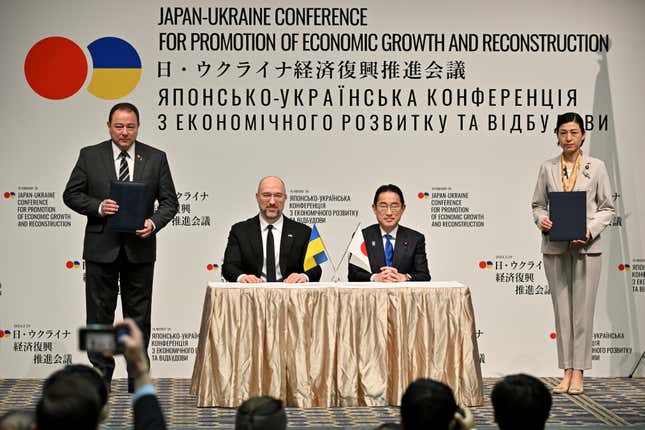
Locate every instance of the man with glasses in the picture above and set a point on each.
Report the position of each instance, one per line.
(396, 253)
(268, 247)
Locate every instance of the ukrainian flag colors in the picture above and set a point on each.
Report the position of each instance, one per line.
(117, 68)
(316, 253)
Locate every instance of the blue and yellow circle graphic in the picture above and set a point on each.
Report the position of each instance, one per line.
(56, 68)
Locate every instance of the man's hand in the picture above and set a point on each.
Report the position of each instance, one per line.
(109, 207)
(133, 350)
(146, 230)
(295, 278)
(582, 242)
(546, 225)
(465, 422)
(250, 279)
(389, 274)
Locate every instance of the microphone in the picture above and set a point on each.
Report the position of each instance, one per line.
(564, 172)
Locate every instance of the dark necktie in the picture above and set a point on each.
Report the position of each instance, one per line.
(270, 255)
(124, 172)
(389, 250)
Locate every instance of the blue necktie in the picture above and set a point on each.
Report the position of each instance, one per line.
(389, 250)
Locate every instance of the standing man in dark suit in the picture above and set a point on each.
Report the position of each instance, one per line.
(268, 247)
(113, 258)
(396, 253)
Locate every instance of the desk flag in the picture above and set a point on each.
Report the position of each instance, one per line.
(316, 253)
(358, 251)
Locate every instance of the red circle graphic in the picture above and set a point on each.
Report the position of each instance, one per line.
(55, 68)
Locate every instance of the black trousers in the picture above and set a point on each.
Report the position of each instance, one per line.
(103, 283)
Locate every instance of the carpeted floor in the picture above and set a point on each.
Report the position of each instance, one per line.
(614, 402)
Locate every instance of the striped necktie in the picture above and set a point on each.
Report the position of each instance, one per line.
(124, 172)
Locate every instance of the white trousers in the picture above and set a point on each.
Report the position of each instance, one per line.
(573, 280)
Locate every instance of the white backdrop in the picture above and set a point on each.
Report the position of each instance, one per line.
(486, 168)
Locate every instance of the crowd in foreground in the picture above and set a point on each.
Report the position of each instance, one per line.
(77, 397)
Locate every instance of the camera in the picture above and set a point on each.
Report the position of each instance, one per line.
(101, 338)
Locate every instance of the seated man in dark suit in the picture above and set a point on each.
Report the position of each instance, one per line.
(396, 253)
(268, 247)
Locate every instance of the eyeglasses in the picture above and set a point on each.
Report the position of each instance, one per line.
(394, 207)
(276, 196)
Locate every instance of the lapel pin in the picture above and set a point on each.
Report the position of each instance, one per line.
(373, 243)
(290, 235)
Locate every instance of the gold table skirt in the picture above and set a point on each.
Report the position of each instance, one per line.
(335, 344)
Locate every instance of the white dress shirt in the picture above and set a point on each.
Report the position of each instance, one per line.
(116, 154)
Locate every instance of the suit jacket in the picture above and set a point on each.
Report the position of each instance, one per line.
(409, 254)
(245, 255)
(89, 185)
(148, 414)
(593, 179)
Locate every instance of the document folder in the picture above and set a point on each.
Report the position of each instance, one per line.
(568, 212)
(131, 198)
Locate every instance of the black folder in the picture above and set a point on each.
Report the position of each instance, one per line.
(568, 212)
(131, 198)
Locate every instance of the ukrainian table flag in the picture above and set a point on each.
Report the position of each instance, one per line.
(316, 253)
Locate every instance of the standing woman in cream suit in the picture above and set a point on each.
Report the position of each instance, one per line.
(573, 268)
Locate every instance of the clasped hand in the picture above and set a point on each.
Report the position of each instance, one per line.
(389, 274)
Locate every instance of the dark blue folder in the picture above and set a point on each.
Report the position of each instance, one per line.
(568, 212)
(131, 198)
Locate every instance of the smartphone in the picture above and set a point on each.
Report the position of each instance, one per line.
(101, 338)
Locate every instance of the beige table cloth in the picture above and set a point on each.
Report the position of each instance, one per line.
(335, 344)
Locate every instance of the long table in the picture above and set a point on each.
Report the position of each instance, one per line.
(335, 344)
